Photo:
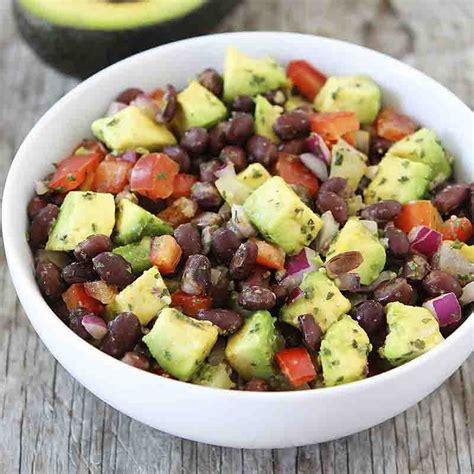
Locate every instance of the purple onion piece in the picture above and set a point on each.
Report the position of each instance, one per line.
(95, 326)
(316, 165)
(445, 308)
(317, 146)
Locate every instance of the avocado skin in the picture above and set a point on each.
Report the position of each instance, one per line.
(81, 53)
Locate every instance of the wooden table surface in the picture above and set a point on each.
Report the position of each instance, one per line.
(50, 424)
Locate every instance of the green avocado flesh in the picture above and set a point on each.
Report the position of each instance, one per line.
(109, 15)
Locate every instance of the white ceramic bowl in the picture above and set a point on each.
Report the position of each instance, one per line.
(222, 417)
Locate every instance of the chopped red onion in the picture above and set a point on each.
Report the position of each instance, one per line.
(296, 294)
(146, 104)
(95, 326)
(425, 240)
(114, 108)
(317, 166)
(467, 294)
(130, 156)
(348, 282)
(297, 266)
(317, 146)
(452, 261)
(371, 171)
(228, 184)
(41, 187)
(362, 141)
(327, 232)
(60, 259)
(371, 226)
(241, 223)
(445, 308)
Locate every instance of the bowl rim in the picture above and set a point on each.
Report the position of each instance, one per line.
(26, 290)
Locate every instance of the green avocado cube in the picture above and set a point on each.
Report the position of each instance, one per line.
(180, 344)
(355, 236)
(358, 94)
(265, 116)
(137, 254)
(344, 351)
(145, 297)
(251, 349)
(247, 76)
(399, 179)
(295, 101)
(134, 222)
(216, 376)
(321, 298)
(82, 213)
(424, 147)
(130, 129)
(254, 176)
(281, 216)
(198, 107)
(412, 331)
(348, 163)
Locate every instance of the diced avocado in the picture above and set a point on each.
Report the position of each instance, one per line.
(295, 101)
(233, 190)
(412, 331)
(216, 376)
(265, 116)
(399, 179)
(347, 162)
(133, 222)
(424, 147)
(82, 214)
(355, 236)
(145, 297)
(344, 351)
(254, 175)
(321, 298)
(250, 350)
(247, 76)
(358, 94)
(137, 254)
(281, 217)
(130, 129)
(199, 107)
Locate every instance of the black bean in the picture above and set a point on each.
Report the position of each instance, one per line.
(180, 156)
(415, 268)
(124, 332)
(370, 315)
(377, 149)
(226, 320)
(225, 212)
(438, 282)
(343, 263)
(151, 205)
(206, 196)
(212, 81)
(311, 330)
(42, 224)
(196, 279)
(206, 219)
(189, 239)
(137, 360)
(60, 310)
(262, 150)
(241, 128)
(168, 106)
(195, 140)
(35, 205)
(382, 211)
(79, 272)
(281, 293)
(336, 185)
(207, 170)
(398, 242)
(292, 125)
(244, 260)
(257, 297)
(92, 246)
(49, 279)
(451, 197)
(259, 277)
(113, 269)
(289, 333)
(276, 97)
(128, 95)
(224, 244)
(256, 385)
(217, 138)
(397, 289)
(142, 348)
(220, 287)
(232, 154)
(297, 146)
(329, 201)
(243, 103)
(75, 322)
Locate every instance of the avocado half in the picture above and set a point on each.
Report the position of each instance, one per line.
(80, 37)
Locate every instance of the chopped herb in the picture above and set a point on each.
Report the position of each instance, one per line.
(335, 362)
(161, 176)
(418, 140)
(354, 344)
(71, 177)
(325, 351)
(257, 174)
(457, 245)
(403, 179)
(383, 181)
(338, 159)
(60, 189)
(426, 320)
(419, 344)
(329, 295)
(405, 164)
(94, 227)
(88, 195)
(167, 355)
(113, 122)
(340, 379)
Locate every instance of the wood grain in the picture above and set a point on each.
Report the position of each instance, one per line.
(51, 424)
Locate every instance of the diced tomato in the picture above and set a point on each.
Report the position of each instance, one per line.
(165, 253)
(86, 147)
(157, 95)
(72, 172)
(179, 212)
(88, 183)
(111, 176)
(457, 228)
(76, 297)
(350, 138)
(290, 168)
(100, 291)
(270, 255)
(297, 365)
(333, 125)
(190, 304)
(418, 213)
(306, 78)
(153, 175)
(182, 185)
(394, 126)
